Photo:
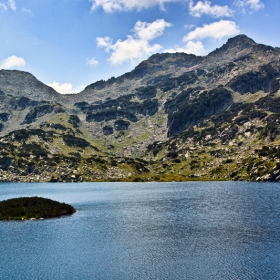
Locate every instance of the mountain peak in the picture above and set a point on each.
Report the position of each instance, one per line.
(235, 46)
(241, 37)
(240, 42)
(21, 83)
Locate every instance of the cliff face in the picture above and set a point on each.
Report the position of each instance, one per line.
(175, 116)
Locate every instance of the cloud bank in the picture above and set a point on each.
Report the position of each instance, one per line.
(92, 62)
(12, 5)
(12, 62)
(244, 5)
(205, 8)
(197, 10)
(66, 88)
(136, 47)
(110, 6)
(191, 47)
(216, 30)
(4, 7)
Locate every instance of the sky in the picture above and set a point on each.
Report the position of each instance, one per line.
(69, 44)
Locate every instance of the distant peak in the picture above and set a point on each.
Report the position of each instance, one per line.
(16, 73)
(240, 39)
(238, 43)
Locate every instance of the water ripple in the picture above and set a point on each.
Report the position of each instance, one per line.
(148, 231)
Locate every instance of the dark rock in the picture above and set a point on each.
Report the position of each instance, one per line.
(71, 140)
(254, 81)
(107, 130)
(110, 115)
(146, 92)
(5, 162)
(74, 120)
(192, 111)
(4, 117)
(233, 174)
(121, 125)
(83, 106)
(37, 112)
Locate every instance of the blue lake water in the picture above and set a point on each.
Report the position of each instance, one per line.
(192, 230)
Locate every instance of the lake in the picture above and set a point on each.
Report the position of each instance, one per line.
(186, 230)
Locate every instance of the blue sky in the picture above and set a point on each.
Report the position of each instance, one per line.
(70, 44)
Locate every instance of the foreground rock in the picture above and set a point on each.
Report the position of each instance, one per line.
(33, 208)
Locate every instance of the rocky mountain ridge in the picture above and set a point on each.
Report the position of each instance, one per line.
(174, 117)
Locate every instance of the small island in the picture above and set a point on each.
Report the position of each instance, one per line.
(23, 208)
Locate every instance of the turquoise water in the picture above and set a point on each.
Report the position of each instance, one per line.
(199, 230)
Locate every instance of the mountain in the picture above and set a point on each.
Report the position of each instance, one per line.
(174, 117)
(23, 84)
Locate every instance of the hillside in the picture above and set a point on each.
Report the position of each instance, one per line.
(174, 117)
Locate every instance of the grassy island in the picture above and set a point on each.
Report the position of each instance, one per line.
(33, 208)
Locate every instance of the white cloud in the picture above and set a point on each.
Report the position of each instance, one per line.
(66, 88)
(137, 46)
(215, 30)
(111, 6)
(149, 31)
(92, 62)
(254, 5)
(132, 50)
(27, 11)
(105, 42)
(9, 4)
(12, 62)
(12, 4)
(205, 8)
(191, 47)
(3, 7)
(189, 26)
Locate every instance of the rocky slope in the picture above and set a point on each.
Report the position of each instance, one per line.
(174, 117)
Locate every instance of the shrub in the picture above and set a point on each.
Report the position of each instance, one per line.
(73, 141)
(33, 207)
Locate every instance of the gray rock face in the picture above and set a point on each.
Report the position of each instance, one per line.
(255, 81)
(24, 84)
(191, 111)
(37, 112)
